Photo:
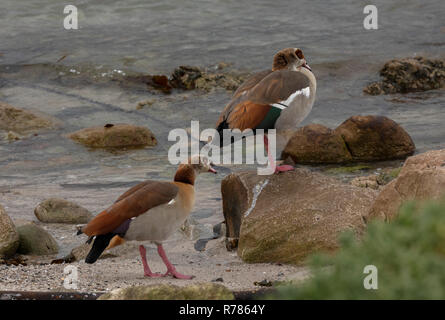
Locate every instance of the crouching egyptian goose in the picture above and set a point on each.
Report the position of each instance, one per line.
(149, 211)
(279, 98)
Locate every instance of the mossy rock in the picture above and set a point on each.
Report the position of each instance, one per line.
(35, 240)
(9, 238)
(202, 291)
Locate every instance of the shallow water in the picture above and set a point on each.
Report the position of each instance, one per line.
(155, 37)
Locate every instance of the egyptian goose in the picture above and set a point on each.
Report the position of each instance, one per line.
(149, 211)
(279, 98)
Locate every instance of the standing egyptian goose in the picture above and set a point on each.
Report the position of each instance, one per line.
(279, 99)
(149, 211)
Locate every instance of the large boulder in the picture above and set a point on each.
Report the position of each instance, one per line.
(422, 177)
(19, 121)
(203, 291)
(285, 217)
(409, 75)
(9, 238)
(315, 143)
(374, 138)
(359, 138)
(56, 210)
(35, 240)
(115, 136)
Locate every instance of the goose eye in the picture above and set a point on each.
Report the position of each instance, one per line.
(299, 54)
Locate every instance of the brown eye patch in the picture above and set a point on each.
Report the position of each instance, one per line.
(299, 54)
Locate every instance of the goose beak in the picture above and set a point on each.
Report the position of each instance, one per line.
(305, 65)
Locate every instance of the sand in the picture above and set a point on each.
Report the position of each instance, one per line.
(122, 267)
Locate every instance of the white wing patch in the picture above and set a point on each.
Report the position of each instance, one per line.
(172, 201)
(285, 103)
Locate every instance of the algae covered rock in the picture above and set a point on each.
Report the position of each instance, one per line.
(202, 291)
(115, 136)
(189, 77)
(20, 121)
(409, 75)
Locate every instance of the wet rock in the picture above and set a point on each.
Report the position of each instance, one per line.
(375, 138)
(203, 291)
(359, 138)
(283, 218)
(35, 240)
(56, 210)
(117, 136)
(409, 75)
(161, 82)
(9, 238)
(315, 143)
(20, 121)
(422, 177)
(184, 77)
(188, 77)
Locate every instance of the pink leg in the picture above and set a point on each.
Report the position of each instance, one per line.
(170, 268)
(281, 168)
(147, 271)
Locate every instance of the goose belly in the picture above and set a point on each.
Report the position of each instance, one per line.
(157, 224)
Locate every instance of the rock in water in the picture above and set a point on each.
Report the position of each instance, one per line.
(422, 177)
(56, 210)
(16, 121)
(285, 217)
(189, 77)
(35, 240)
(9, 238)
(116, 136)
(203, 291)
(409, 75)
(359, 138)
